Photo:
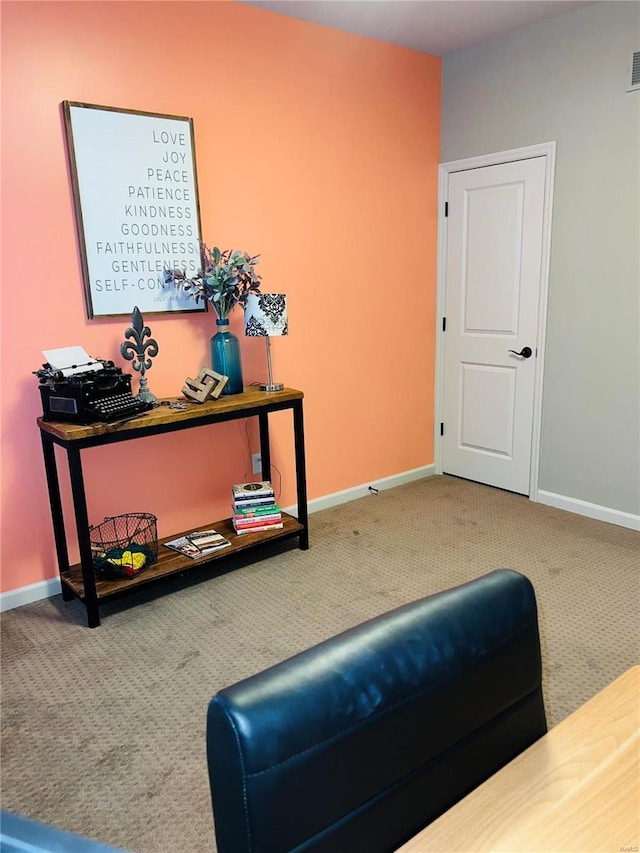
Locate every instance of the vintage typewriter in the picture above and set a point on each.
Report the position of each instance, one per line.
(85, 390)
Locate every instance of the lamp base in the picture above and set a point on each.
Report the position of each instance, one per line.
(277, 386)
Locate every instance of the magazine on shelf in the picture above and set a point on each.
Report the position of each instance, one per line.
(205, 538)
(198, 544)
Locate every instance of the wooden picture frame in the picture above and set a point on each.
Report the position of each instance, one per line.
(135, 194)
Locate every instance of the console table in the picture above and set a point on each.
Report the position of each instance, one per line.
(80, 580)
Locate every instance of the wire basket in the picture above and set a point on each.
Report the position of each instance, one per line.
(124, 545)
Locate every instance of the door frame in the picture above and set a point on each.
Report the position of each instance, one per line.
(543, 149)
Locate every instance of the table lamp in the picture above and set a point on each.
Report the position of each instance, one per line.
(265, 315)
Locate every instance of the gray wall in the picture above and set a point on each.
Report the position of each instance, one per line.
(564, 80)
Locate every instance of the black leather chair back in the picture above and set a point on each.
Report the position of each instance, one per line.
(359, 742)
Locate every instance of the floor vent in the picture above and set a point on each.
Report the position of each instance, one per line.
(634, 72)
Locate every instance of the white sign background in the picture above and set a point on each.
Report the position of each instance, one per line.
(137, 210)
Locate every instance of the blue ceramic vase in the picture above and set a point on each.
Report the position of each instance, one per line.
(225, 357)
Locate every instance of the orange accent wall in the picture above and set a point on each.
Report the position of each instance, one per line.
(314, 147)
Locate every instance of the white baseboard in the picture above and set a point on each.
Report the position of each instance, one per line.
(29, 594)
(600, 513)
(346, 495)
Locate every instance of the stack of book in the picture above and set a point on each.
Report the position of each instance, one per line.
(255, 508)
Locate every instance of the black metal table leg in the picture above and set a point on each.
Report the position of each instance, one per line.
(57, 517)
(265, 445)
(84, 539)
(301, 473)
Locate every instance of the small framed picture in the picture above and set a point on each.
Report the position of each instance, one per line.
(135, 194)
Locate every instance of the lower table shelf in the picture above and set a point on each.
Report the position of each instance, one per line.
(170, 563)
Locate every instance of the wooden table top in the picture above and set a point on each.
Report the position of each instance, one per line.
(575, 789)
(251, 398)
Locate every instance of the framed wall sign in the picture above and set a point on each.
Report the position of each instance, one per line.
(136, 203)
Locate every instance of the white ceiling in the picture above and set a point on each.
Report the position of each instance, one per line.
(430, 26)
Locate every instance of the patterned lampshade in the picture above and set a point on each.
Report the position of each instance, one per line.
(265, 315)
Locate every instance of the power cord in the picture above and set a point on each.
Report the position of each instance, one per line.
(248, 471)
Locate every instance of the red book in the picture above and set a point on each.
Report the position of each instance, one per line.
(256, 528)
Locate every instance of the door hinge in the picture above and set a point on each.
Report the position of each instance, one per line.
(441, 429)
(444, 324)
(446, 208)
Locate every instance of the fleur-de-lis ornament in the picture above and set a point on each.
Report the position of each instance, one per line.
(140, 353)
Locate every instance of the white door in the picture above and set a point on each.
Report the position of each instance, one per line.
(493, 280)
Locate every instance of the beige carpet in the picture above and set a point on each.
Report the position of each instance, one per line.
(103, 730)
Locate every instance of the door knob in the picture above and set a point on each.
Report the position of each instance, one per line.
(525, 352)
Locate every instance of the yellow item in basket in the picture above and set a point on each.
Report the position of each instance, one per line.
(134, 560)
(123, 562)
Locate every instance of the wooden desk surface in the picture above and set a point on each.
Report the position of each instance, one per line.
(576, 789)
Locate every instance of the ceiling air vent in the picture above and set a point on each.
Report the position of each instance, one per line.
(634, 72)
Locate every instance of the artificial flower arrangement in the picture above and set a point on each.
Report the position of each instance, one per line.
(225, 280)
